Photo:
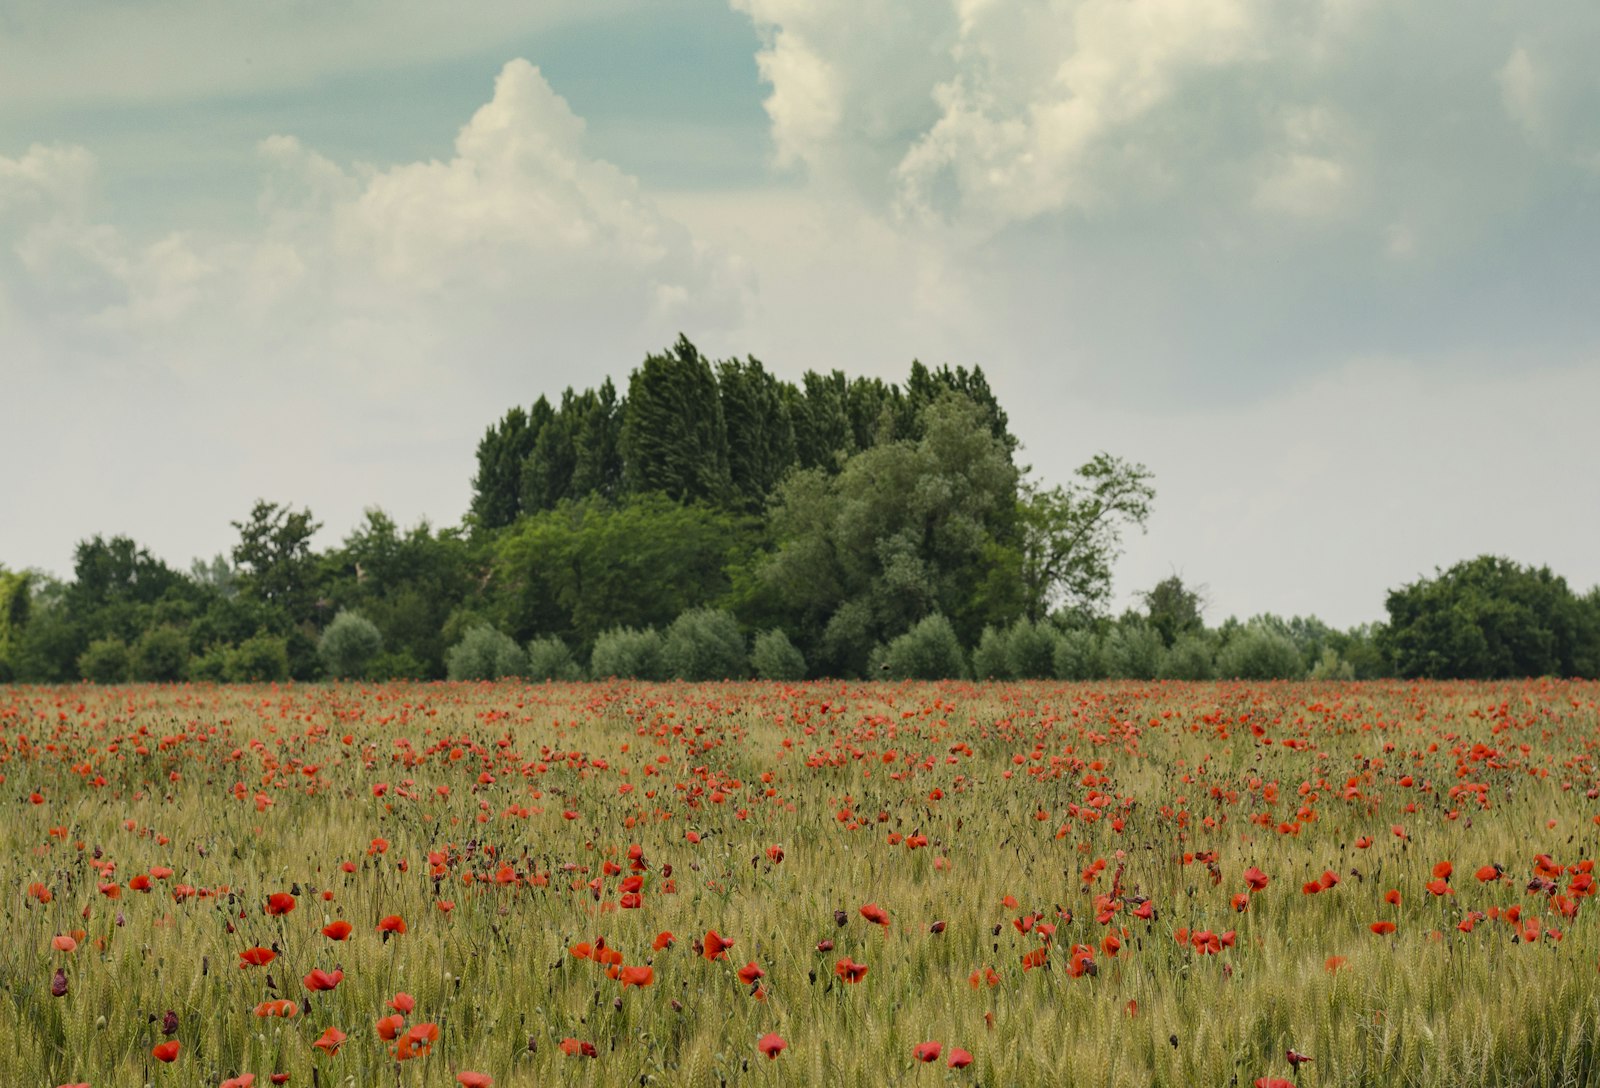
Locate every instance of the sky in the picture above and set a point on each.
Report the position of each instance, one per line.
(1327, 267)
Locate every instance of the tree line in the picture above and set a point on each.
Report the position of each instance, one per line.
(718, 521)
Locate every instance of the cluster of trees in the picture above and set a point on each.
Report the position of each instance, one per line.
(718, 521)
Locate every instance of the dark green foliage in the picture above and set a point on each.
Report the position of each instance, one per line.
(929, 651)
(275, 561)
(257, 659)
(485, 654)
(590, 565)
(105, 661)
(1487, 618)
(551, 659)
(497, 488)
(1070, 536)
(904, 530)
(160, 655)
(627, 653)
(1173, 609)
(577, 453)
(704, 644)
(761, 443)
(820, 412)
(774, 657)
(349, 645)
(674, 438)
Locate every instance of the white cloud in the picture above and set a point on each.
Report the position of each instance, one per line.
(1521, 89)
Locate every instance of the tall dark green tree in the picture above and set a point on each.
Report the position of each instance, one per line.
(1173, 609)
(820, 412)
(761, 447)
(276, 564)
(924, 386)
(674, 438)
(502, 452)
(1489, 618)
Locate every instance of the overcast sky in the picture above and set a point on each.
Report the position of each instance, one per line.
(1328, 267)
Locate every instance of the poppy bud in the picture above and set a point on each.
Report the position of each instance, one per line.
(937, 927)
(58, 984)
(169, 1023)
(840, 918)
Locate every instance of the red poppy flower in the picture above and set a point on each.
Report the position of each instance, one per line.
(716, 946)
(280, 903)
(389, 1027)
(329, 1041)
(639, 976)
(337, 931)
(1382, 929)
(165, 1052)
(771, 1044)
(928, 1051)
(256, 957)
(403, 1002)
(243, 1080)
(574, 1047)
(959, 1059)
(1255, 879)
(850, 972)
(282, 1007)
(663, 939)
(474, 1080)
(319, 979)
(875, 914)
(391, 923)
(750, 972)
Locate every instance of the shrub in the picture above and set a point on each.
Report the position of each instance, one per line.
(396, 665)
(1188, 658)
(161, 654)
(774, 657)
(625, 652)
(349, 645)
(211, 665)
(704, 644)
(105, 661)
(989, 660)
(551, 659)
(1078, 657)
(1030, 650)
(1133, 651)
(1330, 666)
(929, 651)
(484, 653)
(1259, 654)
(260, 658)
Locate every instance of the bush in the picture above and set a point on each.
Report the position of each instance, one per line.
(1188, 658)
(929, 651)
(1031, 650)
(105, 661)
(349, 645)
(624, 652)
(774, 657)
(484, 653)
(551, 659)
(161, 654)
(1259, 654)
(989, 660)
(1133, 651)
(704, 644)
(255, 660)
(1078, 656)
(396, 665)
(1330, 666)
(211, 665)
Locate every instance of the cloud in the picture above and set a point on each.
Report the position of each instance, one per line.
(372, 317)
(175, 50)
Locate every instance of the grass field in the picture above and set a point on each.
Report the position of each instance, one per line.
(1072, 885)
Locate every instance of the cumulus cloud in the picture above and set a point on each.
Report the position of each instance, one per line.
(365, 306)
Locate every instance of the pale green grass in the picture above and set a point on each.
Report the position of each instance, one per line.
(1429, 1006)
